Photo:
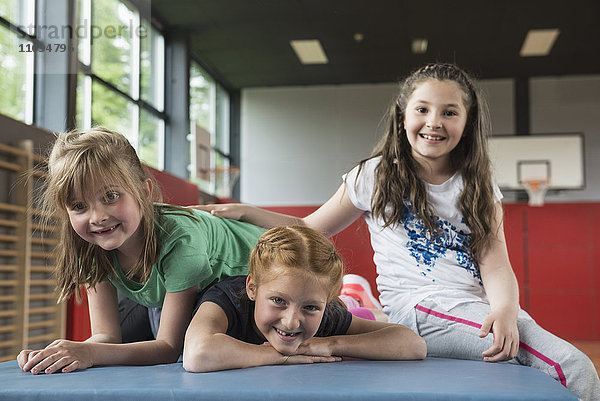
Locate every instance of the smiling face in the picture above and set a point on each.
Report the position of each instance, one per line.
(109, 217)
(434, 121)
(288, 308)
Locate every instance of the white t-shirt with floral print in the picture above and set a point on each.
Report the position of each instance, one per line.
(412, 265)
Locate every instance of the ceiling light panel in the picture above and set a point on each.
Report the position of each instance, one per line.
(538, 42)
(309, 51)
(419, 46)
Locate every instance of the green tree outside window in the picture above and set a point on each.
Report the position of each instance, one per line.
(15, 86)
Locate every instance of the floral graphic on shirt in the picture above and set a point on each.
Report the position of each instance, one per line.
(427, 249)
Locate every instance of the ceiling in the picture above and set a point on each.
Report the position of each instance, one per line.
(245, 43)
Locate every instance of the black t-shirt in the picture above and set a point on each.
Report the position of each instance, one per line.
(230, 295)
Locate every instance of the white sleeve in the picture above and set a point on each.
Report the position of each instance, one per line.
(360, 186)
(497, 193)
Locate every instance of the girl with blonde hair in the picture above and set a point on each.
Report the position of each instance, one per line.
(114, 235)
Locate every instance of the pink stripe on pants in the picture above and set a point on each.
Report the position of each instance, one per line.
(522, 345)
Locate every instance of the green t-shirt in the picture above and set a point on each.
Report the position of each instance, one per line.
(200, 250)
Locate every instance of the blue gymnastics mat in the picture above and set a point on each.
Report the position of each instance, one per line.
(430, 379)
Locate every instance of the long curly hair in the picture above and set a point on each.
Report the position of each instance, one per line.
(397, 181)
(78, 162)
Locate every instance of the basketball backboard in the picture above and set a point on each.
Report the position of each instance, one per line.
(558, 158)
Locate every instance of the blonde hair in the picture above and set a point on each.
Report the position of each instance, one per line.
(78, 162)
(297, 249)
(397, 182)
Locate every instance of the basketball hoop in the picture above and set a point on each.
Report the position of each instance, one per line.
(536, 190)
(225, 178)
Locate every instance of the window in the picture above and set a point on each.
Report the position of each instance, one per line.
(209, 109)
(201, 97)
(152, 67)
(121, 75)
(17, 52)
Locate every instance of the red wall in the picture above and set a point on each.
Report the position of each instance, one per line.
(78, 319)
(176, 190)
(554, 251)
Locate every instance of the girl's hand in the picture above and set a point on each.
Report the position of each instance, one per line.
(24, 356)
(307, 353)
(506, 336)
(62, 355)
(304, 359)
(233, 211)
(317, 346)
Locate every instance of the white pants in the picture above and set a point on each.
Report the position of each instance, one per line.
(455, 334)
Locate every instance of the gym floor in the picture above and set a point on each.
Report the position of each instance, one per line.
(592, 350)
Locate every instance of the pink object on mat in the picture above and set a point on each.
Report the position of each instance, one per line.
(358, 287)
